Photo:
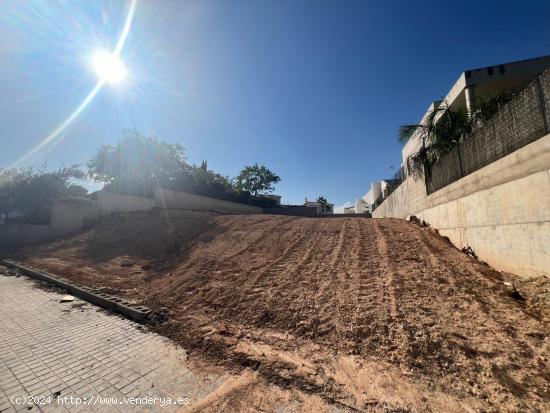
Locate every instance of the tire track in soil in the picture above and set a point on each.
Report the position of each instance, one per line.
(417, 272)
(369, 289)
(353, 271)
(229, 271)
(245, 297)
(396, 340)
(462, 267)
(289, 249)
(347, 282)
(231, 224)
(455, 269)
(337, 284)
(322, 293)
(385, 289)
(311, 278)
(485, 310)
(254, 244)
(274, 288)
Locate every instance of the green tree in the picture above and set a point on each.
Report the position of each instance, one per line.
(256, 179)
(136, 164)
(27, 195)
(207, 182)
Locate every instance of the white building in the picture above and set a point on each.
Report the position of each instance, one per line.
(481, 83)
(376, 192)
(361, 206)
(315, 204)
(349, 210)
(470, 85)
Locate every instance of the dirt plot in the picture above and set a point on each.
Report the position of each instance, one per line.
(362, 314)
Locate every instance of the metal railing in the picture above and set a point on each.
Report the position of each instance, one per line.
(519, 122)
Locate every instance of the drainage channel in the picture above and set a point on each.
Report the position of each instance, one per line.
(135, 312)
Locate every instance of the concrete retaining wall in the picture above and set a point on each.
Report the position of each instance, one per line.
(167, 198)
(67, 217)
(502, 210)
(108, 202)
(14, 235)
(71, 216)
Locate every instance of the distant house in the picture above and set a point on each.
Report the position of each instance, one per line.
(374, 196)
(315, 204)
(349, 210)
(361, 206)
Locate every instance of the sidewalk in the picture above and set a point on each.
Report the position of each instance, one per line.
(49, 348)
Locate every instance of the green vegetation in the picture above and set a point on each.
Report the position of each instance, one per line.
(256, 179)
(136, 165)
(139, 157)
(443, 128)
(27, 195)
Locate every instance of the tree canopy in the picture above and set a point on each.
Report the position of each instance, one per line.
(256, 179)
(138, 156)
(138, 163)
(208, 182)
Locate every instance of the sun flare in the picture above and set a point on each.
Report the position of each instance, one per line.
(109, 67)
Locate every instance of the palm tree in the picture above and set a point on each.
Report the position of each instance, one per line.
(323, 203)
(443, 127)
(439, 133)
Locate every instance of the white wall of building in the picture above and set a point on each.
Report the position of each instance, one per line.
(482, 83)
(361, 206)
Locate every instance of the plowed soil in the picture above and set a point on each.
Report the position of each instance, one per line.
(356, 313)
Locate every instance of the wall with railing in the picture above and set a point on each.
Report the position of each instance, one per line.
(519, 122)
(492, 192)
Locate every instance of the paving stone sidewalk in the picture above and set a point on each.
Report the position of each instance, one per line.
(49, 348)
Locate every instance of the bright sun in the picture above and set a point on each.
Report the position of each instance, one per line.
(108, 67)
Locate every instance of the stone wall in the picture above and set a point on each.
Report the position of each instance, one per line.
(502, 211)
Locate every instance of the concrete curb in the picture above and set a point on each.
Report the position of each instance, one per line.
(92, 295)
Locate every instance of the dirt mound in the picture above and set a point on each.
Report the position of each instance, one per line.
(122, 249)
(371, 314)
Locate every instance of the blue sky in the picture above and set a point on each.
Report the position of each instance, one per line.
(314, 90)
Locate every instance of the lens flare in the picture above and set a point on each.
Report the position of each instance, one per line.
(112, 70)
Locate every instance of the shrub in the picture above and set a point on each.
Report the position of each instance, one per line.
(27, 196)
